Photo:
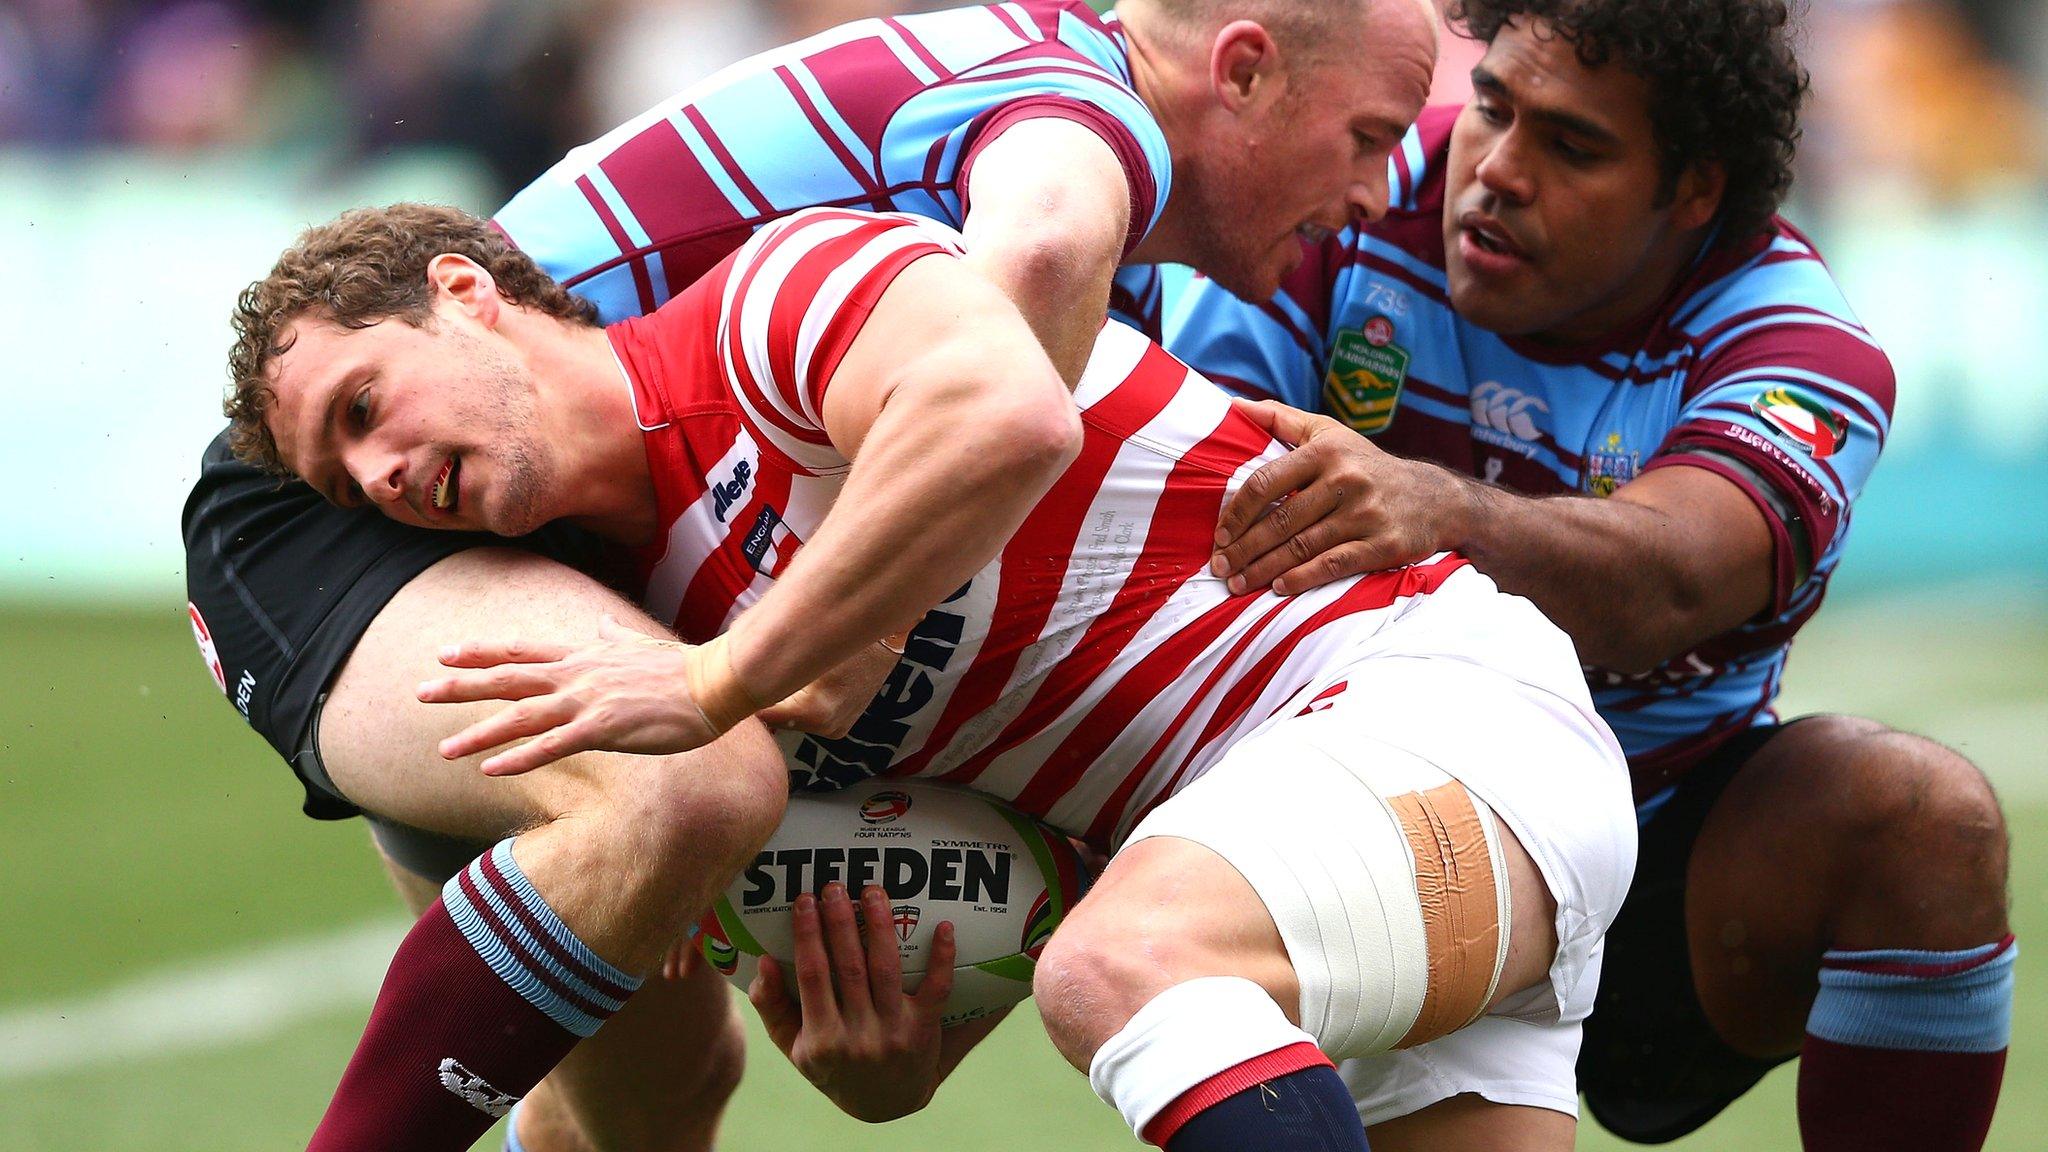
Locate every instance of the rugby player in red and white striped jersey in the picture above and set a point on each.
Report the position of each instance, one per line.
(841, 433)
(1095, 663)
(1054, 136)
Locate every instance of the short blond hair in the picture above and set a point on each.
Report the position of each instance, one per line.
(1301, 27)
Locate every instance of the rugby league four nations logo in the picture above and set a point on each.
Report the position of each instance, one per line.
(884, 807)
(1804, 421)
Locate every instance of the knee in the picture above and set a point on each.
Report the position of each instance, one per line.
(732, 797)
(1905, 800)
(713, 807)
(1094, 975)
(1928, 801)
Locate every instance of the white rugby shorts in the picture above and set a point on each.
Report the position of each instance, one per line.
(1476, 686)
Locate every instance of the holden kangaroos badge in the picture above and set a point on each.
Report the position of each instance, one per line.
(1367, 370)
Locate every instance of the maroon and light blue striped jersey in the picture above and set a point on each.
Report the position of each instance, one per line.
(1091, 669)
(1753, 368)
(885, 115)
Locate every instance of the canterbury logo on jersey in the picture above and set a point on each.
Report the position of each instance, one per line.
(1506, 417)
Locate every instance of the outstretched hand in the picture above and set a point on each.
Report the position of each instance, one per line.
(1333, 507)
(627, 692)
(874, 1049)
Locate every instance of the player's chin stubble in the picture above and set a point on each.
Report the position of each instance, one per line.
(1220, 252)
(523, 470)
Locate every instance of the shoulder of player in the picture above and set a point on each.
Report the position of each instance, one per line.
(1776, 271)
(1008, 38)
(1076, 25)
(1771, 300)
(809, 244)
(792, 300)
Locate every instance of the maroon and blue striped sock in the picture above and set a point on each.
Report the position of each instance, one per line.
(1906, 1049)
(487, 993)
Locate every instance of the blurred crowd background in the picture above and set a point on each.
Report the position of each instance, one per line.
(154, 154)
(514, 82)
(1936, 100)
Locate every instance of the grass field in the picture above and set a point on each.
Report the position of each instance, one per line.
(188, 960)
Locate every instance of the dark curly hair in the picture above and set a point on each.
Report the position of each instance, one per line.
(365, 266)
(1725, 83)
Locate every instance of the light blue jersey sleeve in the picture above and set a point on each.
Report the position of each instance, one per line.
(1790, 399)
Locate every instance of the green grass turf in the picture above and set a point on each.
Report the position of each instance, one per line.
(142, 825)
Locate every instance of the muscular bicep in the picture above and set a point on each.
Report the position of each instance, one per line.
(1049, 181)
(1718, 544)
(1049, 214)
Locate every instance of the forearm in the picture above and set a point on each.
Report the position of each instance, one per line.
(1673, 557)
(937, 490)
(1621, 578)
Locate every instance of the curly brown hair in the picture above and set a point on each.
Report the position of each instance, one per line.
(365, 266)
(1725, 83)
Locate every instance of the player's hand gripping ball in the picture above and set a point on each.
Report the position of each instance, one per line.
(941, 854)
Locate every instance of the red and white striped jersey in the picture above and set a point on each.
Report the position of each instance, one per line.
(1095, 665)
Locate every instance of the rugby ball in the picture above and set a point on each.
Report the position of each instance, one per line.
(1002, 878)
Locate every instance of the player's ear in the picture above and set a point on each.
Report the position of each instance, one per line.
(1697, 195)
(1244, 66)
(466, 285)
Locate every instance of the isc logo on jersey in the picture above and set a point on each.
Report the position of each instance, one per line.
(1002, 879)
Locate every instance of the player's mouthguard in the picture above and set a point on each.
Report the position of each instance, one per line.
(444, 486)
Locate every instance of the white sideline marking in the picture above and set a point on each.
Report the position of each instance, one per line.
(227, 1000)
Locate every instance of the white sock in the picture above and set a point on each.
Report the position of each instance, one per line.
(1186, 1035)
